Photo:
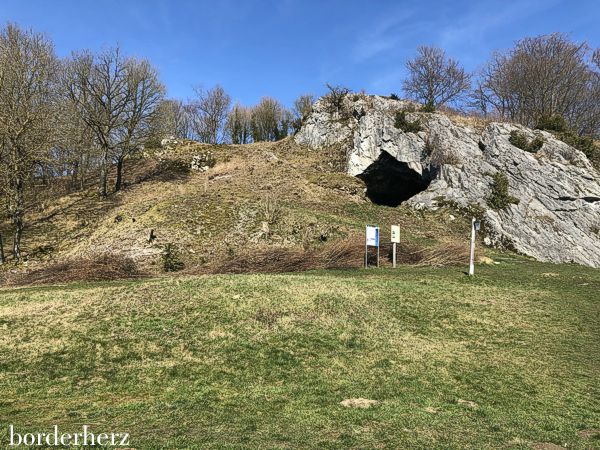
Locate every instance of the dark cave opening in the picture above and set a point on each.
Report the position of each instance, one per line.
(390, 182)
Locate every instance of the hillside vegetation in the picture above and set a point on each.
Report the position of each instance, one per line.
(256, 197)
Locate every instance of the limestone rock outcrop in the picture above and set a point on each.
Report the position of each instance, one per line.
(556, 215)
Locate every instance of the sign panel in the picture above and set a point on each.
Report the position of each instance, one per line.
(395, 234)
(372, 236)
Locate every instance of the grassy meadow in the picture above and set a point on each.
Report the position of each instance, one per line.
(507, 359)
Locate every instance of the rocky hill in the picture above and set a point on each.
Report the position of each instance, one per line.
(344, 169)
(255, 197)
(542, 200)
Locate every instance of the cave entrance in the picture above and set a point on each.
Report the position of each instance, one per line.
(390, 182)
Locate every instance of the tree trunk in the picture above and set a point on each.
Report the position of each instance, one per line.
(82, 165)
(45, 181)
(119, 180)
(17, 219)
(82, 172)
(17, 239)
(74, 175)
(2, 259)
(104, 173)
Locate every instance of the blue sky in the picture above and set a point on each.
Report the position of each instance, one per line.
(289, 47)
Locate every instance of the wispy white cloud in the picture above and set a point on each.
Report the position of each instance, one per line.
(483, 18)
(466, 35)
(385, 36)
(387, 82)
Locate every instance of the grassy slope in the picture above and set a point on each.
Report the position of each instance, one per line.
(207, 220)
(264, 360)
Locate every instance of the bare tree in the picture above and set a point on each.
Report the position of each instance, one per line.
(596, 58)
(303, 106)
(98, 86)
(74, 143)
(239, 124)
(301, 109)
(286, 123)
(595, 94)
(172, 118)
(270, 120)
(540, 77)
(335, 98)
(210, 109)
(434, 79)
(28, 69)
(145, 92)
(494, 94)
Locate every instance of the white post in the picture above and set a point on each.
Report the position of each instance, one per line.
(394, 255)
(472, 261)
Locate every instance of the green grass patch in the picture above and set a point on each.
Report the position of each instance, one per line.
(263, 361)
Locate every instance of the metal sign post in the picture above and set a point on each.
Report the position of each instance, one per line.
(371, 240)
(475, 225)
(395, 238)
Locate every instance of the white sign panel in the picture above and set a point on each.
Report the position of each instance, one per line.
(372, 236)
(395, 234)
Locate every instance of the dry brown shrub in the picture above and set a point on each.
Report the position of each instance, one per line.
(347, 254)
(99, 268)
(445, 254)
(340, 255)
(450, 253)
(473, 121)
(407, 253)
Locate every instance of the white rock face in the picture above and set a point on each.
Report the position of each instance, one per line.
(170, 141)
(557, 218)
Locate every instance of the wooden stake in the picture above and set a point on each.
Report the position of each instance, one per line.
(472, 259)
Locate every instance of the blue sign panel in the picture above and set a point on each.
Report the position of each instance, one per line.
(372, 236)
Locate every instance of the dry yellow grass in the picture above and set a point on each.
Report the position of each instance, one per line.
(475, 122)
(218, 214)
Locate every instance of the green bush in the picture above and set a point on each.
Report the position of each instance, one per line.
(170, 259)
(174, 168)
(499, 197)
(560, 128)
(552, 123)
(583, 143)
(594, 156)
(405, 125)
(394, 96)
(519, 140)
(428, 107)
(535, 144)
